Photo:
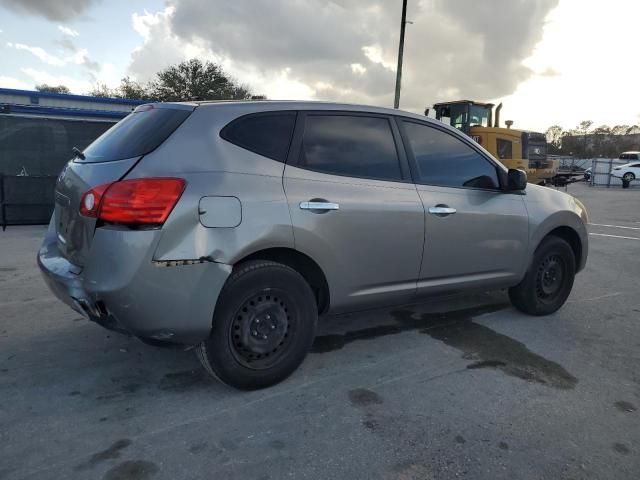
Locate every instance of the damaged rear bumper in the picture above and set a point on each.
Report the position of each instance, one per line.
(122, 289)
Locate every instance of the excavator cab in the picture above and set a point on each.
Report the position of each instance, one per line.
(514, 148)
(465, 114)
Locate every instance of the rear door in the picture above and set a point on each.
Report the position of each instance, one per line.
(107, 159)
(353, 207)
(475, 234)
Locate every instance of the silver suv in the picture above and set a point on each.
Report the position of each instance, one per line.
(232, 226)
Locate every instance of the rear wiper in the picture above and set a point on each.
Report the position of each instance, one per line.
(78, 153)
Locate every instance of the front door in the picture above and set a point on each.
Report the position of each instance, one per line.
(476, 235)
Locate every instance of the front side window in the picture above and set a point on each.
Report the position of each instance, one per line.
(444, 160)
(354, 146)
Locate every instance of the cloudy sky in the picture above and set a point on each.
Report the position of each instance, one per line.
(549, 61)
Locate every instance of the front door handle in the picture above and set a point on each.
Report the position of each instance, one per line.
(442, 210)
(319, 206)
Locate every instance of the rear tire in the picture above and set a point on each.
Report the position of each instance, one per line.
(549, 280)
(263, 326)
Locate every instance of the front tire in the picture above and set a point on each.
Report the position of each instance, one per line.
(549, 280)
(629, 177)
(263, 326)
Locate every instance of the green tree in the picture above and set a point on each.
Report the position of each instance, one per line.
(194, 80)
(102, 90)
(131, 89)
(43, 87)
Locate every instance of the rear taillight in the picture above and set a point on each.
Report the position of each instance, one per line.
(143, 201)
(90, 201)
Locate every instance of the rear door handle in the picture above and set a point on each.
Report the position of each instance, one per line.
(319, 206)
(442, 210)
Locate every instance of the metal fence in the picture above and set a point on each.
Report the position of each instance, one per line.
(600, 172)
(26, 200)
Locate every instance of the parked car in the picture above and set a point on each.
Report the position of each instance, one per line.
(629, 171)
(233, 226)
(587, 174)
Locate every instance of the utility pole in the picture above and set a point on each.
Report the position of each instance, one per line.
(403, 24)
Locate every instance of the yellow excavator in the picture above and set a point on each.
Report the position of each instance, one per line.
(514, 148)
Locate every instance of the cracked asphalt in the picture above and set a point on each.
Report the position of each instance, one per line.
(457, 387)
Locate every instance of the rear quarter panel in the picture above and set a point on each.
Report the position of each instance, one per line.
(214, 167)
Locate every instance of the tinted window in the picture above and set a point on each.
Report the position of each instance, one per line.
(633, 156)
(267, 134)
(350, 145)
(624, 156)
(505, 149)
(442, 159)
(137, 134)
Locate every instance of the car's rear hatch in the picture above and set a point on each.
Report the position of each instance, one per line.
(108, 159)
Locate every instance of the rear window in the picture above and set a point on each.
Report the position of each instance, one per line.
(137, 134)
(267, 134)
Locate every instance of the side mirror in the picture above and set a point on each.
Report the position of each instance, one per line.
(517, 180)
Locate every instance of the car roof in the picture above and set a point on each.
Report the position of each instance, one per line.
(636, 152)
(271, 105)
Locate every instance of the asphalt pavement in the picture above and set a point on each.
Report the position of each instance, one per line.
(461, 387)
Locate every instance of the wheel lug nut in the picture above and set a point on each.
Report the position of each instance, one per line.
(254, 333)
(268, 317)
(273, 327)
(257, 320)
(264, 337)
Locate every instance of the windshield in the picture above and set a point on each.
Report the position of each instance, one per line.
(478, 116)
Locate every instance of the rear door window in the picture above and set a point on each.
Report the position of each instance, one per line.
(139, 133)
(267, 134)
(350, 145)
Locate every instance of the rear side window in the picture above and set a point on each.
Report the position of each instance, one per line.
(267, 134)
(137, 134)
(633, 156)
(354, 146)
(444, 160)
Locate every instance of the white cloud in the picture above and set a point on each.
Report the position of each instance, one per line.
(106, 75)
(345, 50)
(40, 76)
(59, 10)
(10, 82)
(40, 53)
(68, 31)
(78, 57)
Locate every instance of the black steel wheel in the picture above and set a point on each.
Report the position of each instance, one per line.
(263, 326)
(262, 329)
(549, 279)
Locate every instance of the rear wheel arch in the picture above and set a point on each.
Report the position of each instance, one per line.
(301, 263)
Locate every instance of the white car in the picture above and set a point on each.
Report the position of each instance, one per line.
(629, 171)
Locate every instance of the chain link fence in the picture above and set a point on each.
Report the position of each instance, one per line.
(26, 199)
